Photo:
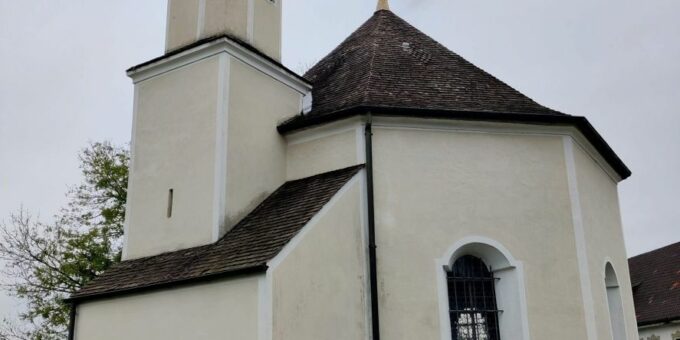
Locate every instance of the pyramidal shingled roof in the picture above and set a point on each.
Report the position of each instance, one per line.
(389, 68)
(389, 63)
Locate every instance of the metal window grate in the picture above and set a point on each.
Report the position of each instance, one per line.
(472, 300)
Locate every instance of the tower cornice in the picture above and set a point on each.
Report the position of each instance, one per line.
(213, 46)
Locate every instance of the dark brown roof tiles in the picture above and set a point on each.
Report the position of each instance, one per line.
(388, 62)
(248, 247)
(656, 285)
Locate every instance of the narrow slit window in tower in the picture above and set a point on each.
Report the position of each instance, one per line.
(171, 193)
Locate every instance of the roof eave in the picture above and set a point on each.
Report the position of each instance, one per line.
(580, 123)
(235, 43)
(662, 321)
(250, 270)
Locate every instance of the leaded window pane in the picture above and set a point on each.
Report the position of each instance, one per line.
(472, 300)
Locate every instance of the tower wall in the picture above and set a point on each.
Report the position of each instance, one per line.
(205, 149)
(256, 153)
(174, 147)
(256, 22)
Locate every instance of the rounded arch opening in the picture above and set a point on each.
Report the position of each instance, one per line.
(493, 257)
(614, 302)
(508, 285)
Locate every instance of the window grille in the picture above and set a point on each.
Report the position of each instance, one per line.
(472, 300)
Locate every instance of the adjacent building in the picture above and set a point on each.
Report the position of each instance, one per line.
(656, 291)
(394, 191)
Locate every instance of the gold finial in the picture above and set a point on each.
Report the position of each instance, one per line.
(383, 5)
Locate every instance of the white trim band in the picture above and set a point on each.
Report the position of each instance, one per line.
(580, 237)
(217, 46)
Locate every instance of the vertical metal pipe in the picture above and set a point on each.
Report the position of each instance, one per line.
(72, 322)
(372, 257)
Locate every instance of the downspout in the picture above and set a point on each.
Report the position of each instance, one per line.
(373, 270)
(72, 322)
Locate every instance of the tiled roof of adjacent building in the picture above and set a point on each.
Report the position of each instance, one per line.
(247, 248)
(656, 285)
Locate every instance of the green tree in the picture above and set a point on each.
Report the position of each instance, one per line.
(46, 262)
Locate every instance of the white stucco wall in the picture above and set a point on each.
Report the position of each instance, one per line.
(257, 22)
(437, 185)
(319, 287)
(604, 241)
(256, 156)
(173, 148)
(181, 23)
(434, 187)
(325, 149)
(219, 310)
(661, 332)
(230, 17)
(266, 35)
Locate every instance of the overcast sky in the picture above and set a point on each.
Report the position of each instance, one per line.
(62, 81)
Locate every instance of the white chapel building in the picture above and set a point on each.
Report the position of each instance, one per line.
(395, 191)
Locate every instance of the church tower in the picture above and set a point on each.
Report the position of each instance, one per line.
(203, 151)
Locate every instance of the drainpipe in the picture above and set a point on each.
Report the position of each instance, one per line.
(72, 322)
(373, 271)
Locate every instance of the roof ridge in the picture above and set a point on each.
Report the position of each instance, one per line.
(672, 245)
(374, 52)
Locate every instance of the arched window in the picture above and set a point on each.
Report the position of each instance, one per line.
(477, 278)
(472, 300)
(616, 316)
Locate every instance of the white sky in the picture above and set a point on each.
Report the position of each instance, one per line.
(62, 81)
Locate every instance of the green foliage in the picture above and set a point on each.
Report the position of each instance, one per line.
(45, 263)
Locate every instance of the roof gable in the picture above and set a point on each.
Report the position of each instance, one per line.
(247, 248)
(656, 285)
(389, 63)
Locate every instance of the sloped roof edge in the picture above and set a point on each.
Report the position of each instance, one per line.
(580, 123)
(208, 40)
(247, 270)
(244, 250)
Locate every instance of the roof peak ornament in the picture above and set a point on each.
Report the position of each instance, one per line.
(383, 5)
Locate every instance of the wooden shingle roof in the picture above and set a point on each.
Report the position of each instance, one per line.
(388, 62)
(246, 248)
(656, 285)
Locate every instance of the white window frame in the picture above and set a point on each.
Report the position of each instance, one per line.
(610, 278)
(510, 291)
